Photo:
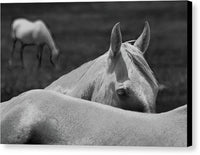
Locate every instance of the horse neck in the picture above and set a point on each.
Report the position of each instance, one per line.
(84, 86)
(51, 43)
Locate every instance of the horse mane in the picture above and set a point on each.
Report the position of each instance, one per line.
(88, 65)
(137, 58)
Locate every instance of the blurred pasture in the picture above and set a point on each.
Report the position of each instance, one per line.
(82, 32)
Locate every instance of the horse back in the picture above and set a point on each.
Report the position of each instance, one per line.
(47, 117)
(25, 122)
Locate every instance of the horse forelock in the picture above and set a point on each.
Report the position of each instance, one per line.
(139, 61)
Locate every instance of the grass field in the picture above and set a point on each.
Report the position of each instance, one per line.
(82, 31)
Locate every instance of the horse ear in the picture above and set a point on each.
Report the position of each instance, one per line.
(142, 42)
(115, 40)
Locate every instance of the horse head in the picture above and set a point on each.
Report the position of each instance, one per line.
(121, 77)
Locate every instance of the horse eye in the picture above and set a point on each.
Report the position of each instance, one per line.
(122, 92)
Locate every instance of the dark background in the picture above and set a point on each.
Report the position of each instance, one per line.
(82, 32)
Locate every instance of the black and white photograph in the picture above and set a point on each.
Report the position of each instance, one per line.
(97, 73)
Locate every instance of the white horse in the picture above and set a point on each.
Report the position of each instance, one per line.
(33, 33)
(121, 77)
(48, 117)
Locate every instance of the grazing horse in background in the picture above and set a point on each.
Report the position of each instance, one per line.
(33, 33)
(48, 117)
(121, 77)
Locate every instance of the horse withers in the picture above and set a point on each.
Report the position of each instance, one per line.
(121, 77)
(48, 117)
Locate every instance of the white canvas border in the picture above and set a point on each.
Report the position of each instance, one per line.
(98, 150)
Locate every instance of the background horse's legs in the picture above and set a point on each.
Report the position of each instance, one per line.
(39, 55)
(12, 52)
(21, 54)
(51, 61)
